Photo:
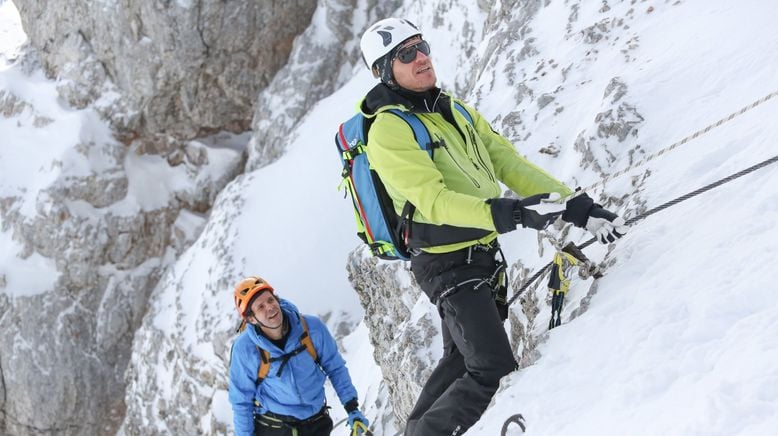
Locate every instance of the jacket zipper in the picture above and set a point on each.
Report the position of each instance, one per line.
(445, 147)
(478, 154)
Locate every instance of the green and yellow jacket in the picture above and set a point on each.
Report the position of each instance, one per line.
(451, 188)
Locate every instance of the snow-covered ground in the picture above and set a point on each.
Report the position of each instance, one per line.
(679, 338)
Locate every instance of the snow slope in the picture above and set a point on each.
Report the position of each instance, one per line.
(679, 336)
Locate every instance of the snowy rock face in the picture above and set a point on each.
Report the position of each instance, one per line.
(321, 61)
(90, 230)
(185, 68)
(178, 68)
(180, 356)
(181, 351)
(67, 347)
(404, 326)
(518, 83)
(162, 74)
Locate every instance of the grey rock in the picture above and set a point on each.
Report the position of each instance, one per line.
(596, 32)
(620, 122)
(401, 344)
(164, 372)
(184, 69)
(68, 347)
(613, 127)
(617, 88)
(11, 105)
(544, 100)
(326, 51)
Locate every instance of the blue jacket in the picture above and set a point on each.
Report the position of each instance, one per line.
(299, 391)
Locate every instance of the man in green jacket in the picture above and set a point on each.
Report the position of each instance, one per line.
(458, 214)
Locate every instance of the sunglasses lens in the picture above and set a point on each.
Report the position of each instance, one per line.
(424, 48)
(407, 54)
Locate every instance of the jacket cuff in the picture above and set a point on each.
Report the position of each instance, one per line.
(351, 405)
(502, 214)
(577, 210)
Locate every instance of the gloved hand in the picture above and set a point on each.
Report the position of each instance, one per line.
(535, 212)
(356, 415)
(605, 225)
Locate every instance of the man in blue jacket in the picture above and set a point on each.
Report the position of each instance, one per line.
(278, 368)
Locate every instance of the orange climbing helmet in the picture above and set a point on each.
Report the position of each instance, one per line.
(246, 290)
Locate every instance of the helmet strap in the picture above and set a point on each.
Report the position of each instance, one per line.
(258, 322)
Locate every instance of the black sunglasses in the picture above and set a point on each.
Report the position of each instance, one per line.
(407, 54)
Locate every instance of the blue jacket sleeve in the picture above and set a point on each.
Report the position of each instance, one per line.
(331, 361)
(243, 386)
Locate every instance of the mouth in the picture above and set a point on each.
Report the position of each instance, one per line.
(424, 69)
(273, 316)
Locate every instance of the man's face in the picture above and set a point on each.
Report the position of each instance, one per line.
(417, 75)
(266, 310)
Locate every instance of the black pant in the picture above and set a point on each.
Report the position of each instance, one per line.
(476, 352)
(278, 425)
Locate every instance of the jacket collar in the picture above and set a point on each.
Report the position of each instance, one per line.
(382, 98)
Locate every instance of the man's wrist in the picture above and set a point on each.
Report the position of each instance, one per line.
(351, 405)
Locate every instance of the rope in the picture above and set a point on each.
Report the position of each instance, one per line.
(683, 141)
(513, 419)
(648, 213)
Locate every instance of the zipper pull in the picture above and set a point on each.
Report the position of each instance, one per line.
(438, 143)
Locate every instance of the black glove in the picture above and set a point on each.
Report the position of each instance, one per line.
(605, 225)
(535, 212)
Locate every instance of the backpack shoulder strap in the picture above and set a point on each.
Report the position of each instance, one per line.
(420, 132)
(264, 365)
(306, 341)
(464, 112)
(265, 360)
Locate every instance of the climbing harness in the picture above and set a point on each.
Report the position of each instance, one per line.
(513, 419)
(276, 421)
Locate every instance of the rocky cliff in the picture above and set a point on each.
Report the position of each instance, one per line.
(174, 68)
(137, 325)
(119, 205)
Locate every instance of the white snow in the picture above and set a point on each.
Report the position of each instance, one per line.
(23, 277)
(679, 338)
(12, 35)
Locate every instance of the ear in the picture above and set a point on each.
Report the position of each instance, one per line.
(376, 73)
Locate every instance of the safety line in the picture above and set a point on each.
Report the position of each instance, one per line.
(650, 212)
(683, 141)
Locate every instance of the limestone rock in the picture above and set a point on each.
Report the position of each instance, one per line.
(404, 326)
(67, 346)
(326, 51)
(184, 68)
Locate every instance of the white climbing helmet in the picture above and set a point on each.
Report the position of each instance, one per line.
(383, 36)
